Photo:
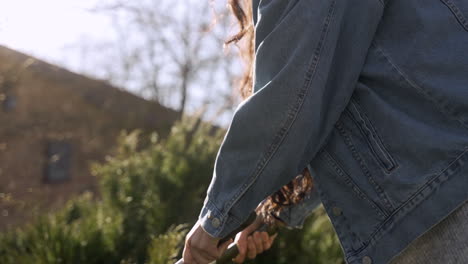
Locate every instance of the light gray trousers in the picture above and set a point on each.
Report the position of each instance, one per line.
(445, 243)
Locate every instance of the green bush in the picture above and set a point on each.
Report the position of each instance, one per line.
(150, 192)
(82, 232)
(165, 248)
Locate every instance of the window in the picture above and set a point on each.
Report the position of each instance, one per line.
(8, 102)
(58, 161)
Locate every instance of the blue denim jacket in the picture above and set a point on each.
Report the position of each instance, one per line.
(372, 96)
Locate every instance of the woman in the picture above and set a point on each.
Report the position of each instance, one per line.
(372, 97)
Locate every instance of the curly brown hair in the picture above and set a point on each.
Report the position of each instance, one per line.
(293, 192)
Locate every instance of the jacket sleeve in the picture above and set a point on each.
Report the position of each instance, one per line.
(308, 57)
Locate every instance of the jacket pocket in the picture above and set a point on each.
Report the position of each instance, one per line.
(459, 9)
(369, 133)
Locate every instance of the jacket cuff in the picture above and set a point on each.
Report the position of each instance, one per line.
(214, 222)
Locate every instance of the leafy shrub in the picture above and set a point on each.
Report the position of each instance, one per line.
(148, 189)
(82, 232)
(165, 247)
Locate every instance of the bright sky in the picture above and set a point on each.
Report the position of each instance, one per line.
(53, 30)
(44, 28)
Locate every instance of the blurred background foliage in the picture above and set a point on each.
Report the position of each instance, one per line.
(150, 193)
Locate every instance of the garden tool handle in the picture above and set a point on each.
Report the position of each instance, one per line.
(233, 251)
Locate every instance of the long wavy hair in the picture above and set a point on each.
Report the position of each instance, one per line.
(293, 192)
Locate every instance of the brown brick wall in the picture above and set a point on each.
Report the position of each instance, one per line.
(55, 104)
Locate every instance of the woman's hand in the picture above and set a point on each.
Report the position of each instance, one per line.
(251, 243)
(201, 248)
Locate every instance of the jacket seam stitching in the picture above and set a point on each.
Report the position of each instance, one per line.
(378, 135)
(338, 229)
(381, 193)
(457, 13)
(369, 141)
(378, 139)
(424, 92)
(331, 161)
(291, 115)
(378, 232)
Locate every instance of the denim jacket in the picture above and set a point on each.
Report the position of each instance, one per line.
(372, 96)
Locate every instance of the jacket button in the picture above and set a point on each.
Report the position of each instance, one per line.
(337, 211)
(366, 260)
(215, 222)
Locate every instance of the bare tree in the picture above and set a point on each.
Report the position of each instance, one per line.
(172, 51)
